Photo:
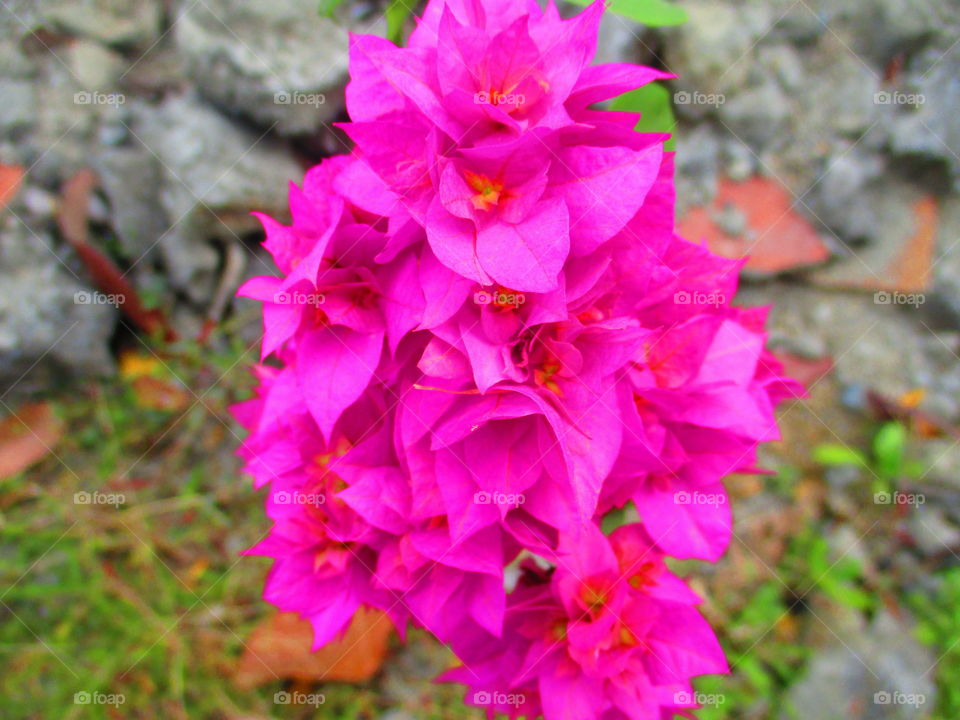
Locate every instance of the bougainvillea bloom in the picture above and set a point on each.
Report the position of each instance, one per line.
(484, 338)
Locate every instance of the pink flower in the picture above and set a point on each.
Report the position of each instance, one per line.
(609, 633)
(485, 336)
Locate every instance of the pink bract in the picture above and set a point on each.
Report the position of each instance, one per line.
(484, 337)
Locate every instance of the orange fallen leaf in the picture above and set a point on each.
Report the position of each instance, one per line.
(10, 178)
(151, 388)
(134, 365)
(912, 398)
(280, 648)
(911, 271)
(27, 436)
(777, 238)
(157, 394)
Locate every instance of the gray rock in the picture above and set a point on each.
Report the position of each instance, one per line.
(928, 127)
(17, 105)
(712, 51)
(756, 115)
(878, 345)
(214, 166)
(932, 529)
(799, 23)
(618, 39)
(17, 17)
(214, 173)
(879, 29)
(49, 320)
(840, 90)
(785, 64)
(18, 101)
(697, 163)
(842, 477)
(276, 63)
(841, 198)
(739, 162)
(115, 22)
(878, 674)
(944, 299)
(95, 67)
(879, 227)
(732, 221)
(130, 177)
(39, 204)
(940, 460)
(112, 132)
(845, 542)
(64, 125)
(246, 313)
(13, 62)
(187, 322)
(191, 263)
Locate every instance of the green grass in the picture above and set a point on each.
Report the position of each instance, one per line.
(938, 626)
(151, 600)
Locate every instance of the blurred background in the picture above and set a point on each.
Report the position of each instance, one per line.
(821, 137)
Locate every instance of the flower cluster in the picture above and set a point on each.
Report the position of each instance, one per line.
(486, 337)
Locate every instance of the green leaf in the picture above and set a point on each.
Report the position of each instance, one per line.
(847, 594)
(329, 7)
(652, 13)
(653, 101)
(831, 455)
(613, 519)
(397, 13)
(889, 446)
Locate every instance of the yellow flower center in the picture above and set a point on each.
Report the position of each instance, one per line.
(487, 191)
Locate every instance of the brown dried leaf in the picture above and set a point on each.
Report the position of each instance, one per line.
(10, 178)
(777, 237)
(106, 276)
(912, 270)
(157, 394)
(27, 436)
(280, 648)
